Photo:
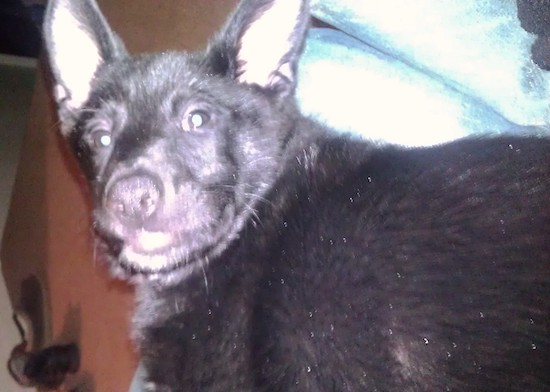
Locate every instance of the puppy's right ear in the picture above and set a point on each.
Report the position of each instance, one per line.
(262, 43)
(79, 41)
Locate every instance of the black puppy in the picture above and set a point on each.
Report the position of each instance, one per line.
(271, 254)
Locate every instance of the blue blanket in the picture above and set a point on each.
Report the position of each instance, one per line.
(423, 72)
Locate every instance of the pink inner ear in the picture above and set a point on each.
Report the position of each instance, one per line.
(265, 43)
(76, 71)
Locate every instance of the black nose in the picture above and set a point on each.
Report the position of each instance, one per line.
(134, 198)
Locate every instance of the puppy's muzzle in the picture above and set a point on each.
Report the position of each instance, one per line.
(134, 199)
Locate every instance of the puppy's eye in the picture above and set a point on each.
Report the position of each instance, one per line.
(195, 120)
(101, 138)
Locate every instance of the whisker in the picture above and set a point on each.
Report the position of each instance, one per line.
(204, 275)
(256, 197)
(255, 217)
(259, 159)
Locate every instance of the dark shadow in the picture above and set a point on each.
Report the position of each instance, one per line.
(72, 325)
(82, 382)
(32, 304)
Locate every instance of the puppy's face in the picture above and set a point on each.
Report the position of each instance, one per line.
(176, 162)
(178, 148)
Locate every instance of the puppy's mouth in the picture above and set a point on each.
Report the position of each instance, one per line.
(147, 242)
(149, 230)
(152, 253)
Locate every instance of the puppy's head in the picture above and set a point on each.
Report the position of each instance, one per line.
(178, 148)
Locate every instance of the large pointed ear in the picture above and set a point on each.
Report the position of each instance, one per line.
(263, 42)
(79, 41)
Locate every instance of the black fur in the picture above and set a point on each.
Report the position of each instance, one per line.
(272, 255)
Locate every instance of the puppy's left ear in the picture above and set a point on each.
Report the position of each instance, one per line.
(263, 41)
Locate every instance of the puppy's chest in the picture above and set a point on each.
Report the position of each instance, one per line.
(198, 338)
